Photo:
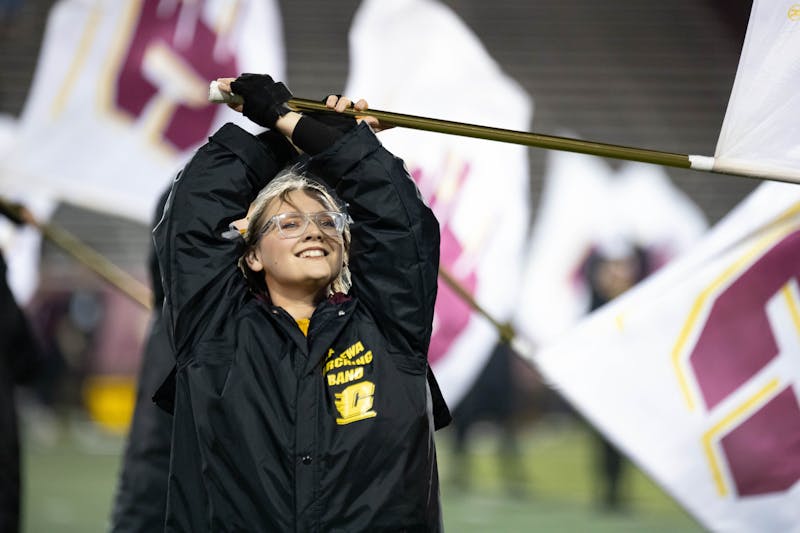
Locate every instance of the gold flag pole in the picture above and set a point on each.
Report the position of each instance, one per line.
(732, 167)
(504, 330)
(729, 166)
(83, 253)
(537, 140)
(504, 135)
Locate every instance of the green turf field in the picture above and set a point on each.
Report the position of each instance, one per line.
(69, 485)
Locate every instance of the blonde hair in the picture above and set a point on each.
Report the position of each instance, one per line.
(287, 181)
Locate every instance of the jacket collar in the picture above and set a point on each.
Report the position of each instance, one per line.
(327, 322)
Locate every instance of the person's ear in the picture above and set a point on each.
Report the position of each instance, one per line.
(253, 261)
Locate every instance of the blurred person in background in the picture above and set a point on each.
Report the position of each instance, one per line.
(303, 399)
(495, 399)
(141, 497)
(610, 270)
(20, 362)
(68, 322)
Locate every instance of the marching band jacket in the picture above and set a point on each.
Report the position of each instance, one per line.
(276, 431)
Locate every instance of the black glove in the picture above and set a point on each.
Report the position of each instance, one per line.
(264, 98)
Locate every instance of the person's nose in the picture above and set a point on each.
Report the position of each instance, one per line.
(312, 231)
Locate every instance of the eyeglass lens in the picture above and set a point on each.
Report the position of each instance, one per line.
(295, 224)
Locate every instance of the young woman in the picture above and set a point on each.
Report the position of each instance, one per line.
(303, 400)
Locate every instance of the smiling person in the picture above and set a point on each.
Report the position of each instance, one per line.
(303, 400)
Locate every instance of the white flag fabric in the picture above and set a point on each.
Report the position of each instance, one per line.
(119, 98)
(21, 246)
(586, 206)
(417, 57)
(695, 373)
(761, 131)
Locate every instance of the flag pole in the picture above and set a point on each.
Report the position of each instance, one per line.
(726, 166)
(505, 330)
(81, 252)
(504, 135)
(537, 140)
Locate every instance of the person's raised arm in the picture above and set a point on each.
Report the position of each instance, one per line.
(394, 254)
(196, 255)
(395, 247)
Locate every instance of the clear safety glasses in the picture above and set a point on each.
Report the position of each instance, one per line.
(292, 225)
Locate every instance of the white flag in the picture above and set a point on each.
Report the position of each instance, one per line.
(417, 57)
(761, 131)
(120, 95)
(20, 245)
(695, 373)
(586, 207)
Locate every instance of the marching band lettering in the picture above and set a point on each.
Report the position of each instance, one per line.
(355, 401)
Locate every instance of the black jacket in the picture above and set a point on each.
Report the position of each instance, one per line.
(141, 497)
(274, 431)
(21, 360)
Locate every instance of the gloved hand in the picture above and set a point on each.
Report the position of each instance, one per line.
(264, 98)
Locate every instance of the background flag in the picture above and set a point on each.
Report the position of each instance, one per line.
(587, 206)
(20, 245)
(417, 57)
(695, 374)
(119, 97)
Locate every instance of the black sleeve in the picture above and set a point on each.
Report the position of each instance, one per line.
(318, 130)
(197, 263)
(313, 137)
(152, 261)
(394, 256)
